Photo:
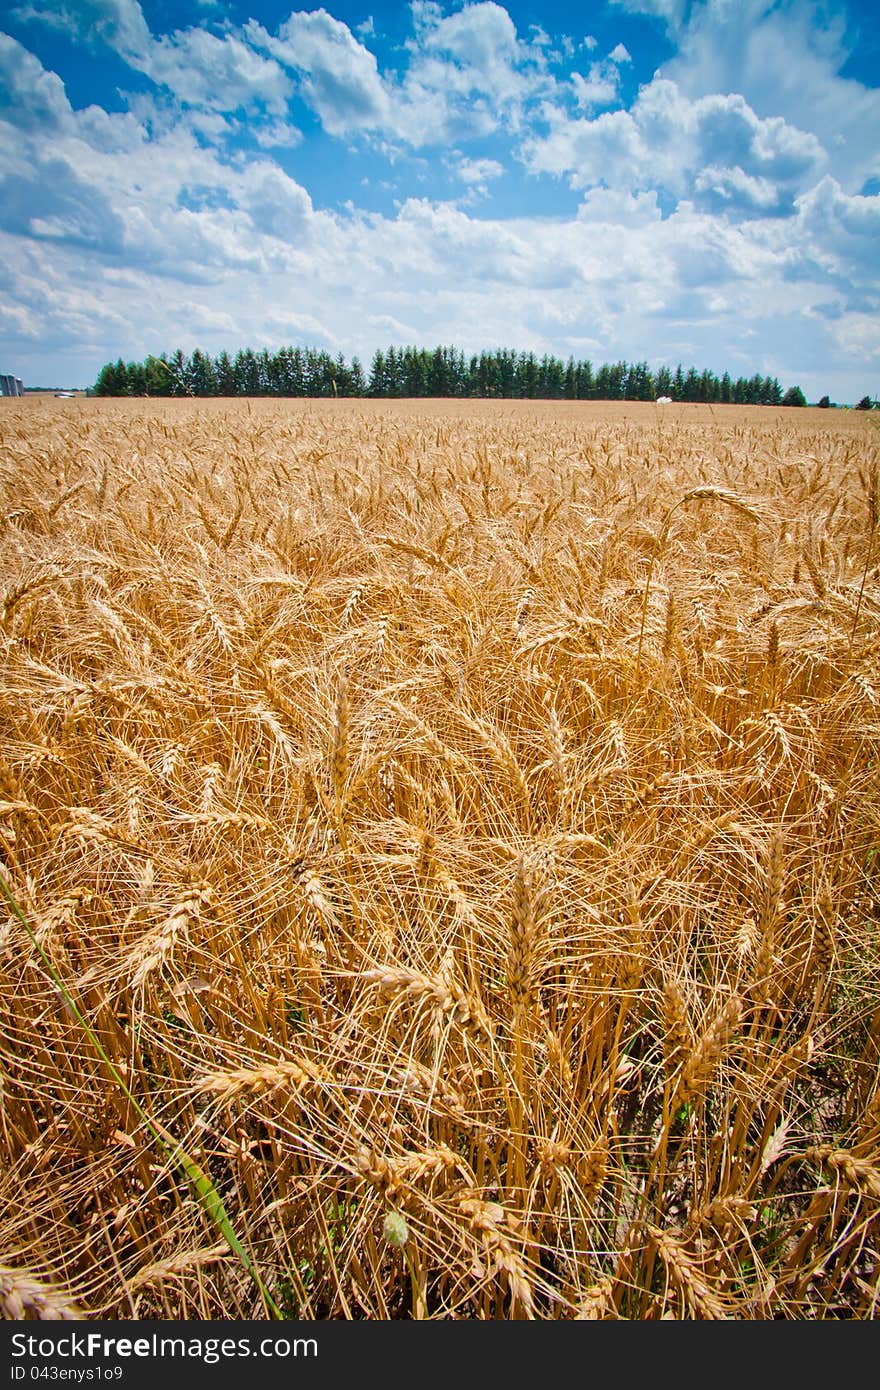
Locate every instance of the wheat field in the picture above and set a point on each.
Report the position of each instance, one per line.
(441, 856)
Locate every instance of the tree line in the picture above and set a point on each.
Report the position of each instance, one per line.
(442, 371)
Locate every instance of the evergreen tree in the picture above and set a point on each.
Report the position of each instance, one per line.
(265, 382)
(296, 368)
(392, 380)
(585, 383)
(437, 380)
(247, 378)
(342, 376)
(200, 376)
(772, 391)
(570, 385)
(108, 381)
(441, 371)
(377, 374)
(177, 371)
(706, 388)
(157, 379)
(639, 382)
(663, 384)
(507, 364)
(692, 385)
(527, 376)
(224, 374)
(136, 379)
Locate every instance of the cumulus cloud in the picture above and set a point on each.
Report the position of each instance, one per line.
(715, 150)
(118, 23)
(476, 174)
(784, 59)
(223, 74)
(155, 196)
(469, 74)
(277, 205)
(843, 232)
(859, 336)
(276, 135)
(465, 75)
(339, 77)
(601, 86)
(617, 207)
(478, 171)
(200, 68)
(29, 95)
(481, 36)
(670, 11)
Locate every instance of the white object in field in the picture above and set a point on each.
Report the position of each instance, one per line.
(664, 400)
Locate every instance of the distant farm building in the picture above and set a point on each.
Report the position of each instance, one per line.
(10, 386)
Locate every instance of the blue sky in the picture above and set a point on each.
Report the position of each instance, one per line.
(691, 181)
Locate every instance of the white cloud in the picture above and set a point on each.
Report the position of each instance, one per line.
(476, 175)
(844, 231)
(223, 74)
(277, 206)
(147, 193)
(714, 149)
(467, 74)
(620, 54)
(613, 207)
(859, 336)
(276, 135)
(478, 170)
(201, 69)
(339, 76)
(34, 97)
(386, 327)
(470, 74)
(785, 60)
(118, 23)
(600, 88)
(285, 325)
(587, 151)
(731, 186)
(670, 11)
(482, 37)
(204, 320)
